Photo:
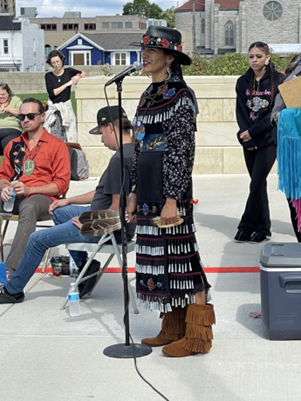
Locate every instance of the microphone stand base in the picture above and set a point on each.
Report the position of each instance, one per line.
(127, 351)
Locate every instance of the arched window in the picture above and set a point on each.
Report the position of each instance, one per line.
(47, 49)
(203, 26)
(229, 34)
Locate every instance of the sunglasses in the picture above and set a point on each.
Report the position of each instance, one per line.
(30, 116)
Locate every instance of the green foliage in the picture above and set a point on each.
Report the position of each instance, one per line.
(227, 64)
(106, 69)
(143, 8)
(169, 16)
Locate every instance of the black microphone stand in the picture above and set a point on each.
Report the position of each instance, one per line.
(126, 350)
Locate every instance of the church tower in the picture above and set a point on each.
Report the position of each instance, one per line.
(8, 6)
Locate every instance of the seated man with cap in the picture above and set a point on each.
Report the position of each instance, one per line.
(66, 212)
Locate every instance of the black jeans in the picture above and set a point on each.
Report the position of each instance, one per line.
(294, 219)
(256, 216)
(6, 135)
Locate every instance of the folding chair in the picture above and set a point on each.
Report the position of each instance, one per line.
(101, 247)
(7, 218)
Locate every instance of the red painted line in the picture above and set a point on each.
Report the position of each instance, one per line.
(232, 269)
(206, 269)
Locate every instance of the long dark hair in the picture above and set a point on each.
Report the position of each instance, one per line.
(270, 66)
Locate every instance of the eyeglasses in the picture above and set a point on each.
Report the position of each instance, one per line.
(30, 116)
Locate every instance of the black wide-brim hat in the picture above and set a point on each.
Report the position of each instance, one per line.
(164, 38)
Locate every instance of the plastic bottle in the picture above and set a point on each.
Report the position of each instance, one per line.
(73, 298)
(9, 205)
(72, 268)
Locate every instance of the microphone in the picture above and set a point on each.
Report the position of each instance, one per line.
(137, 66)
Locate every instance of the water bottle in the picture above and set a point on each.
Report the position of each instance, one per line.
(9, 205)
(73, 298)
(72, 268)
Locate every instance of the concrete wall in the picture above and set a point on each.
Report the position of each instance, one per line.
(217, 149)
(34, 82)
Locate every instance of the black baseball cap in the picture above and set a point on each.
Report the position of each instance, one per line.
(107, 115)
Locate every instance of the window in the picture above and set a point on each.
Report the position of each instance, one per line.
(48, 27)
(128, 25)
(203, 26)
(79, 41)
(272, 10)
(117, 25)
(105, 25)
(229, 34)
(70, 27)
(142, 25)
(5, 46)
(90, 27)
(120, 58)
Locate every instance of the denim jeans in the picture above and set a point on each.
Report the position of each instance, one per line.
(65, 232)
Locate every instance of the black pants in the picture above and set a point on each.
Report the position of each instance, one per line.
(6, 135)
(256, 216)
(294, 219)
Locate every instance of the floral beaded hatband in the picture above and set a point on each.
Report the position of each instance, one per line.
(164, 38)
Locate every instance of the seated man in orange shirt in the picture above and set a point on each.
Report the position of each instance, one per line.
(37, 166)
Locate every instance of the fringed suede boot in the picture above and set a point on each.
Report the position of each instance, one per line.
(173, 328)
(198, 336)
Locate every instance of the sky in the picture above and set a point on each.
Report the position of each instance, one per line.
(91, 8)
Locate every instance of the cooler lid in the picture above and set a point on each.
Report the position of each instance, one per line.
(281, 255)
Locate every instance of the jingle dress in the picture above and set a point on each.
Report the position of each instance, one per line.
(168, 267)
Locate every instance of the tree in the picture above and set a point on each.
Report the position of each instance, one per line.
(169, 16)
(143, 8)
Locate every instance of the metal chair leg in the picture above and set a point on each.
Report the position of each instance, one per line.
(46, 258)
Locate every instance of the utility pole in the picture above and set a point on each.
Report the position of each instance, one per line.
(193, 28)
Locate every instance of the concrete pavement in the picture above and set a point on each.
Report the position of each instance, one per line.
(46, 355)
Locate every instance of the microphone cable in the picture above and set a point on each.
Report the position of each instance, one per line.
(126, 312)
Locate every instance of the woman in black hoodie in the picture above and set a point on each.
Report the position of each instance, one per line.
(255, 98)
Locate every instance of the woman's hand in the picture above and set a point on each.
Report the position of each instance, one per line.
(131, 207)
(75, 79)
(169, 212)
(245, 136)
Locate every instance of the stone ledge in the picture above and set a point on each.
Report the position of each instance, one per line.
(208, 160)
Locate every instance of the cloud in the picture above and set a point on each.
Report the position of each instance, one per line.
(91, 8)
